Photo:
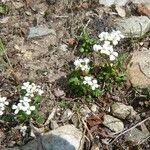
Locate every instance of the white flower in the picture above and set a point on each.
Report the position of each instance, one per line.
(107, 48)
(31, 89)
(96, 47)
(91, 82)
(3, 103)
(1, 112)
(40, 92)
(113, 56)
(103, 36)
(94, 85)
(25, 99)
(82, 64)
(25, 85)
(16, 108)
(23, 130)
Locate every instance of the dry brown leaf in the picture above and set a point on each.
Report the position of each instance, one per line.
(71, 41)
(95, 120)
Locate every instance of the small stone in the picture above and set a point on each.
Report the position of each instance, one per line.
(75, 120)
(122, 111)
(140, 1)
(40, 31)
(94, 108)
(53, 125)
(18, 5)
(133, 26)
(63, 47)
(4, 20)
(121, 11)
(138, 69)
(85, 111)
(28, 13)
(136, 136)
(67, 115)
(113, 124)
(63, 138)
(113, 2)
(59, 93)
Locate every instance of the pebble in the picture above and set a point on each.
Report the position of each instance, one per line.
(113, 124)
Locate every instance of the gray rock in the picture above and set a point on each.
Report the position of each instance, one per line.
(36, 32)
(53, 124)
(67, 115)
(112, 123)
(94, 108)
(121, 11)
(138, 69)
(122, 111)
(113, 2)
(134, 26)
(136, 135)
(85, 111)
(140, 1)
(63, 138)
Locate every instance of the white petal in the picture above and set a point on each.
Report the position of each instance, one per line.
(84, 82)
(16, 111)
(107, 52)
(94, 81)
(28, 112)
(96, 47)
(1, 113)
(6, 103)
(112, 57)
(14, 107)
(115, 54)
(32, 108)
(93, 87)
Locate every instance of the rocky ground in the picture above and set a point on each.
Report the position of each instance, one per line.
(41, 45)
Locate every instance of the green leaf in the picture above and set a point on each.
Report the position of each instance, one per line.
(2, 48)
(3, 9)
(40, 120)
(37, 99)
(81, 50)
(23, 117)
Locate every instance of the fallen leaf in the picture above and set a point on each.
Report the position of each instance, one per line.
(71, 41)
(95, 120)
(144, 9)
(84, 5)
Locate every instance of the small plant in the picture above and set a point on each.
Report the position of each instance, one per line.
(86, 43)
(93, 80)
(3, 9)
(25, 108)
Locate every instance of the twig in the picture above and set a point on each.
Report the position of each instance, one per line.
(144, 140)
(51, 116)
(125, 131)
(91, 137)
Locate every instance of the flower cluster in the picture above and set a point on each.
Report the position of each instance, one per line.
(31, 89)
(89, 80)
(24, 103)
(109, 40)
(114, 37)
(3, 103)
(82, 64)
(23, 130)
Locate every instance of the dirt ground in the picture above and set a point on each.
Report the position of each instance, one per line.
(47, 62)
